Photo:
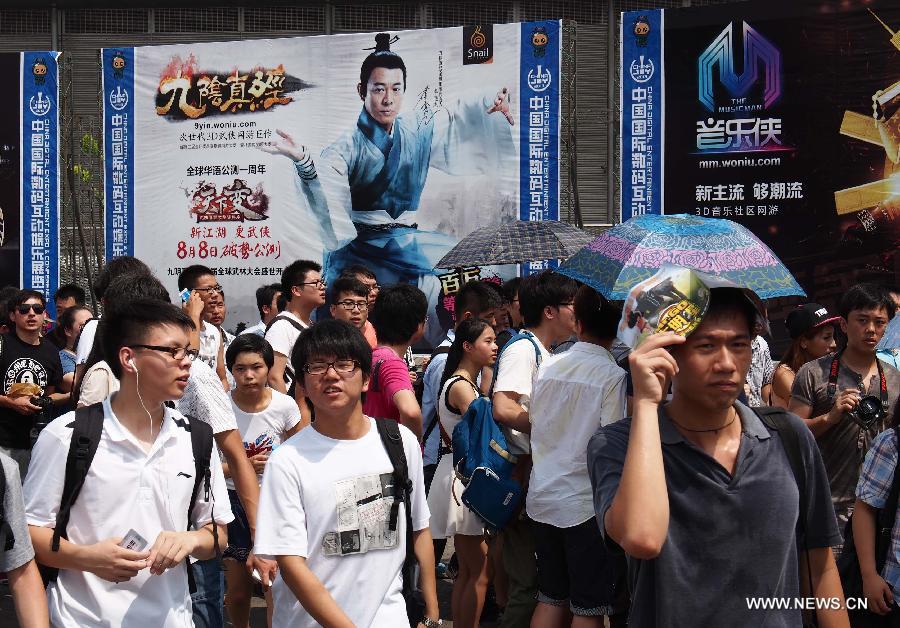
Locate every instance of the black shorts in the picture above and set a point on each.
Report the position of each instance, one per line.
(574, 568)
(239, 543)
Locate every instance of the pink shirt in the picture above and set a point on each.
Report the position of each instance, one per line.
(369, 332)
(392, 376)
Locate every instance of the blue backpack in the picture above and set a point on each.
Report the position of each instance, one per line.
(482, 459)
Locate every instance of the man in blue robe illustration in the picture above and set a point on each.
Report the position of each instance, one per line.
(377, 172)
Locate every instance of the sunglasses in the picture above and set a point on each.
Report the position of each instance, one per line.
(37, 307)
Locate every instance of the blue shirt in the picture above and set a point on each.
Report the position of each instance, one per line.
(67, 360)
(433, 373)
(874, 487)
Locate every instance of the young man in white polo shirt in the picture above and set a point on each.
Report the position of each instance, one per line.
(141, 479)
(328, 497)
(574, 394)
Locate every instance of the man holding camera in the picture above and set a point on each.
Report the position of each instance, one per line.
(31, 372)
(848, 397)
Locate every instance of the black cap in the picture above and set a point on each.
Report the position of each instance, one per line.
(807, 317)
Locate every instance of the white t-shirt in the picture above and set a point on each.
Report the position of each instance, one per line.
(323, 499)
(574, 394)
(515, 373)
(210, 341)
(262, 431)
(282, 335)
(86, 340)
(125, 488)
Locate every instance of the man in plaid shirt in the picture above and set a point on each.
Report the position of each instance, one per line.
(871, 494)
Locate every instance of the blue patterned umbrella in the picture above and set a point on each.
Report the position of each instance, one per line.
(633, 251)
(891, 338)
(516, 243)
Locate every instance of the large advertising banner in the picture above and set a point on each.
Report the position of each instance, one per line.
(375, 149)
(29, 173)
(783, 117)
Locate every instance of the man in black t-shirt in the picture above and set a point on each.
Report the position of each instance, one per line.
(25, 357)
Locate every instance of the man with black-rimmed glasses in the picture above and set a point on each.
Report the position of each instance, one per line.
(139, 485)
(326, 502)
(304, 290)
(350, 303)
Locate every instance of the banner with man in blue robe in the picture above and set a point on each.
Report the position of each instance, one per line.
(380, 149)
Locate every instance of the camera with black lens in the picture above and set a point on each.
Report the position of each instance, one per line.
(40, 420)
(867, 412)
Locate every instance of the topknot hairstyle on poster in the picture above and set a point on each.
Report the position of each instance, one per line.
(382, 57)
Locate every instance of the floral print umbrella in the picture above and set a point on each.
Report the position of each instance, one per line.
(630, 252)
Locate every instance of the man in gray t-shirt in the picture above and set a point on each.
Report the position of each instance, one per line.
(844, 446)
(865, 311)
(25, 582)
(699, 493)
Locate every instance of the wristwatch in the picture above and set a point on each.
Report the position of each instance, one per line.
(432, 623)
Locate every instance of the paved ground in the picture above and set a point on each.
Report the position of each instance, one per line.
(257, 613)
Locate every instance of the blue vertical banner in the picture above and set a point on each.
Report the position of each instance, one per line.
(39, 154)
(539, 89)
(642, 113)
(118, 145)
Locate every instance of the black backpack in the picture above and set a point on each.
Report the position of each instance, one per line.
(86, 431)
(776, 419)
(389, 431)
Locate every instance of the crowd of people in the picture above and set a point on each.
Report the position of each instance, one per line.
(682, 483)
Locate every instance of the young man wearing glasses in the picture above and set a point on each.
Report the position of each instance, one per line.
(202, 283)
(141, 478)
(25, 358)
(304, 290)
(350, 303)
(326, 502)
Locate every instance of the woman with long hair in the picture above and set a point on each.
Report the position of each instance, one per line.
(812, 329)
(473, 349)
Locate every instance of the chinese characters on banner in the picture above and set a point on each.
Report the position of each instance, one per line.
(787, 122)
(39, 153)
(539, 135)
(247, 155)
(118, 122)
(642, 101)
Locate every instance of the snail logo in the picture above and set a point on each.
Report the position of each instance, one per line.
(477, 39)
(478, 44)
